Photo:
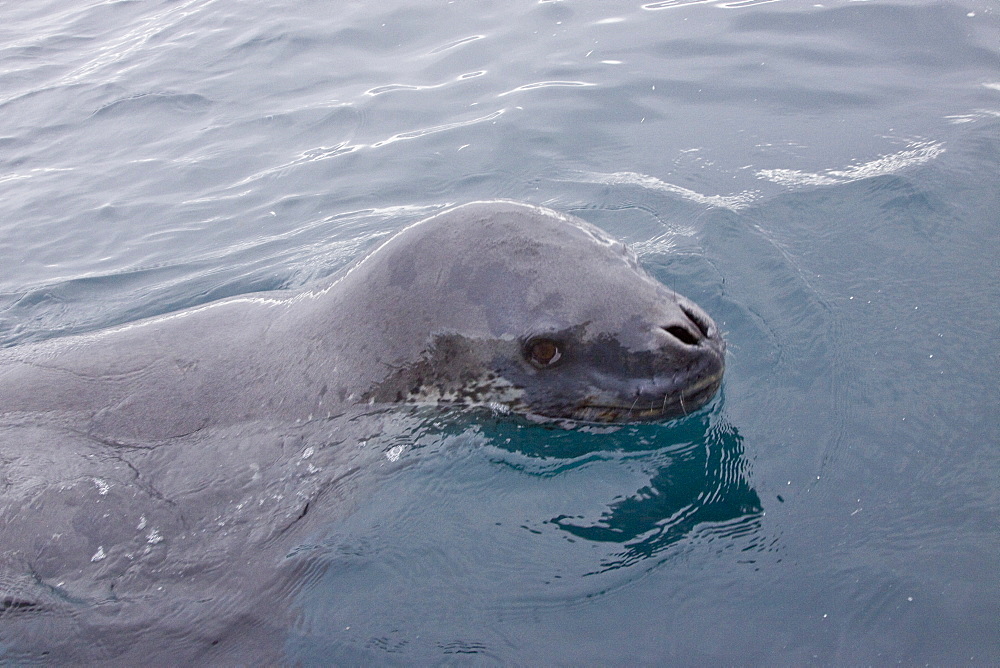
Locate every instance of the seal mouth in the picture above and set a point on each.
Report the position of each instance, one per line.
(644, 408)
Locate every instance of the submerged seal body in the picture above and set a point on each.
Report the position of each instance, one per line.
(493, 303)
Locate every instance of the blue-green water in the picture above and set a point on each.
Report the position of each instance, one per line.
(820, 177)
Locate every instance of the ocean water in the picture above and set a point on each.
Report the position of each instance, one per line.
(822, 177)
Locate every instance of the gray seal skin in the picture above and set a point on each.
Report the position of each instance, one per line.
(492, 303)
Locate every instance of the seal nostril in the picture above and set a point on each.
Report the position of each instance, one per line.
(681, 334)
(698, 320)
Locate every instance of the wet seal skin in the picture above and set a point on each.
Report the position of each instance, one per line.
(501, 304)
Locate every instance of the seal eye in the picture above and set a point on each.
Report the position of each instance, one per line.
(543, 352)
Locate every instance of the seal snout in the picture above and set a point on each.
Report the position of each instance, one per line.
(692, 360)
(690, 326)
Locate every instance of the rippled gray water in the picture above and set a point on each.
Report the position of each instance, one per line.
(821, 177)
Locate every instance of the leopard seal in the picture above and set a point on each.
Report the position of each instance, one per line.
(162, 483)
(493, 303)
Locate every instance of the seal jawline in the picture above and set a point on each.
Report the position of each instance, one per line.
(647, 408)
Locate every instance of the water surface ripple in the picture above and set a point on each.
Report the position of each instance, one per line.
(821, 177)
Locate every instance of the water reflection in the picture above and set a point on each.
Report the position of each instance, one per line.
(696, 480)
(704, 483)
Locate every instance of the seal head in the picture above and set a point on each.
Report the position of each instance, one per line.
(521, 307)
(492, 303)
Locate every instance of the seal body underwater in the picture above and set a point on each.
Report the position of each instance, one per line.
(495, 303)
